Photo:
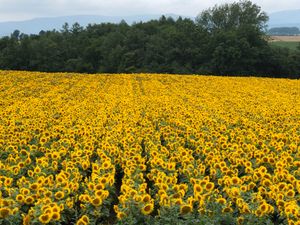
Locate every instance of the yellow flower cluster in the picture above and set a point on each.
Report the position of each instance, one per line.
(87, 147)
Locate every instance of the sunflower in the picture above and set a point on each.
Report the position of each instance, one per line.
(55, 208)
(28, 161)
(29, 200)
(235, 191)
(85, 165)
(91, 186)
(280, 196)
(235, 180)
(99, 193)
(37, 169)
(25, 191)
(121, 215)
(23, 152)
(56, 216)
(209, 186)
(137, 198)
(258, 213)
(20, 198)
(240, 220)
(244, 188)
(146, 198)
(171, 166)
(99, 186)
(48, 194)
(282, 186)
(251, 185)
(184, 209)
(97, 201)
(198, 189)
(147, 209)
(55, 155)
(4, 212)
(26, 219)
(81, 222)
(106, 165)
(45, 218)
(142, 167)
(248, 169)
(59, 195)
(8, 181)
(221, 201)
(85, 198)
(43, 140)
(227, 209)
(177, 201)
(85, 218)
(103, 180)
(246, 209)
(290, 193)
(47, 211)
(263, 208)
(34, 186)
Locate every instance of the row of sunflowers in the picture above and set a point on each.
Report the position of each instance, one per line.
(148, 148)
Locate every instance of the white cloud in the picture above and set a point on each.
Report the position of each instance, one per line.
(278, 5)
(25, 9)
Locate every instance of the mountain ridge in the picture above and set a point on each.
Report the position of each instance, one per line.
(286, 18)
(34, 26)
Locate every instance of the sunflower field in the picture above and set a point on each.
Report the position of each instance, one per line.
(148, 149)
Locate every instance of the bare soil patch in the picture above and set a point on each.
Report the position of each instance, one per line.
(285, 38)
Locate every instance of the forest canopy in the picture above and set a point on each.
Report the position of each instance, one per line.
(228, 39)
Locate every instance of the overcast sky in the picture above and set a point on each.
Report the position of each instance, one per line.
(12, 10)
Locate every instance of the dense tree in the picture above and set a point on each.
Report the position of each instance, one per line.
(225, 40)
(237, 37)
(233, 16)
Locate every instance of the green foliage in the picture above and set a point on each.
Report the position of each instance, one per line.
(233, 17)
(227, 39)
(285, 44)
(171, 216)
(213, 216)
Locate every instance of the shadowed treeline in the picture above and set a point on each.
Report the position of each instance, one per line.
(224, 40)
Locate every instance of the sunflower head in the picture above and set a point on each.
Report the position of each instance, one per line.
(56, 216)
(184, 209)
(4, 212)
(59, 195)
(209, 186)
(20, 198)
(29, 200)
(97, 201)
(121, 215)
(147, 209)
(45, 218)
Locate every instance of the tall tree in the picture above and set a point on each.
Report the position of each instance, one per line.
(237, 36)
(233, 16)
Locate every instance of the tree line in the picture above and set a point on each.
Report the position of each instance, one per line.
(284, 31)
(228, 39)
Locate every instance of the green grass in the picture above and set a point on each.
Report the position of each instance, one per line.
(286, 44)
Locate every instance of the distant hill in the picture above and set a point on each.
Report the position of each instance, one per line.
(289, 18)
(279, 31)
(34, 26)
